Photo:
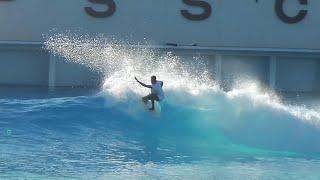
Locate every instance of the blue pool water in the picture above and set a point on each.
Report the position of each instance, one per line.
(75, 133)
(202, 131)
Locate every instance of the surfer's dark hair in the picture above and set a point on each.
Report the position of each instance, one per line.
(154, 77)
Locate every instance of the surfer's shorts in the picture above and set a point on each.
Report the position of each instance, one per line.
(152, 97)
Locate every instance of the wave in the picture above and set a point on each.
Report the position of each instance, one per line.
(247, 114)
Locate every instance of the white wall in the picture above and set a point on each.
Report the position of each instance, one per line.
(233, 23)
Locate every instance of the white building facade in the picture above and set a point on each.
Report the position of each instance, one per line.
(277, 41)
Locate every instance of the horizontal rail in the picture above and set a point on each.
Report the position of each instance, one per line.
(191, 47)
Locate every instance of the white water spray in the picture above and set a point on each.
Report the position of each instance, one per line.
(187, 82)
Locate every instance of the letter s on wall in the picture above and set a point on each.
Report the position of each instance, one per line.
(287, 19)
(102, 14)
(197, 17)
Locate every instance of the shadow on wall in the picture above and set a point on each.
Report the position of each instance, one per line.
(30, 66)
(236, 69)
(296, 74)
(317, 79)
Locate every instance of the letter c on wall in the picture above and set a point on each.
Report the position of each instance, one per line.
(102, 14)
(287, 19)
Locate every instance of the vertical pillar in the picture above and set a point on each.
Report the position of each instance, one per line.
(218, 64)
(273, 72)
(52, 72)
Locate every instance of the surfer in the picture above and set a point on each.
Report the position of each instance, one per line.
(156, 91)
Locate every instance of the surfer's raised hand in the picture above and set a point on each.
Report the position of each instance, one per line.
(138, 80)
(147, 86)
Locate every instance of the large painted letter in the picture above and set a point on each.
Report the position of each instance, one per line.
(197, 17)
(101, 14)
(287, 19)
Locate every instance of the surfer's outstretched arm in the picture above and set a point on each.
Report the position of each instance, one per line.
(142, 84)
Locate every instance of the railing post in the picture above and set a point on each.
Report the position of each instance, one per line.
(273, 72)
(52, 72)
(218, 63)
